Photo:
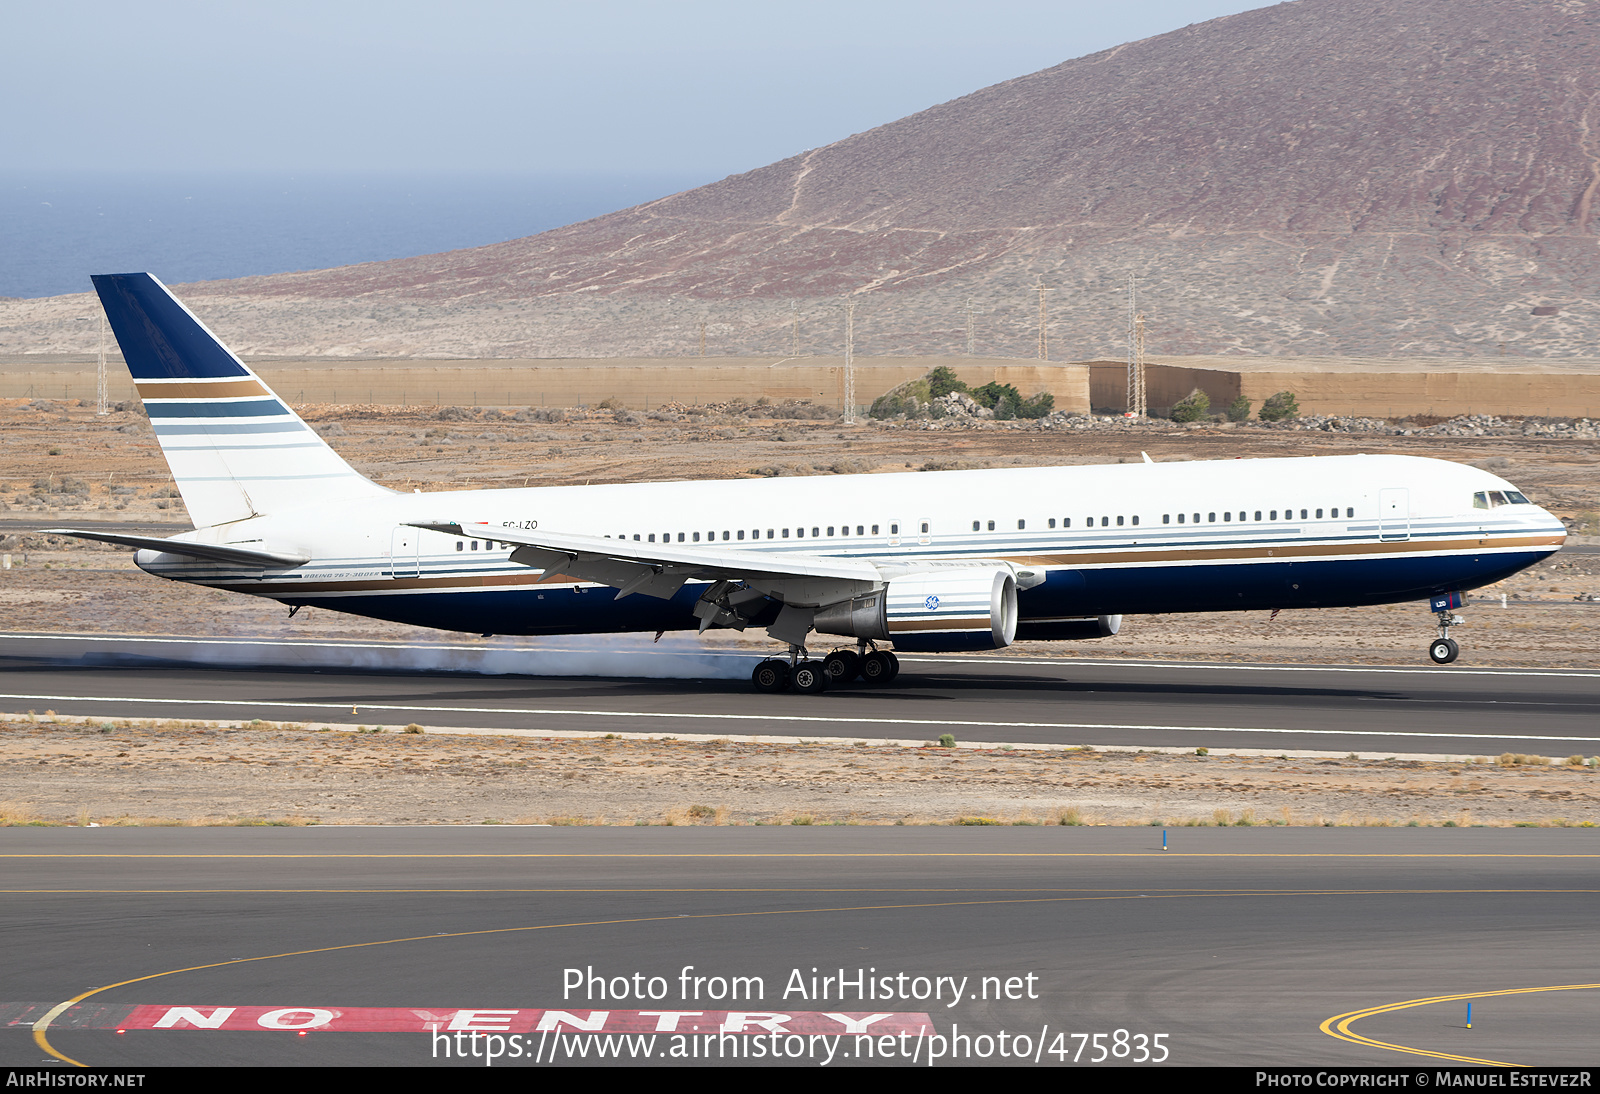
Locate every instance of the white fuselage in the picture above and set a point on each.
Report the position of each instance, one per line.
(1199, 536)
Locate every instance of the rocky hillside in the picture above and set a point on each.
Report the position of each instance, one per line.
(1367, 177)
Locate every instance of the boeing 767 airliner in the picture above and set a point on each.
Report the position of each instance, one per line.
(931, 561)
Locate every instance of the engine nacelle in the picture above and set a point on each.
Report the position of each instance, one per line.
(937, 611)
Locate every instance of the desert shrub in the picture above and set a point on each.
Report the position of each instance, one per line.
(1036, 407)
(942, 381)
(1279, 407)
(1239, 410)
(894, 404)
(990, 394)
(1192, 407)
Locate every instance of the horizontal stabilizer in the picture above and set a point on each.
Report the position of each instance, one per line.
(212, 552)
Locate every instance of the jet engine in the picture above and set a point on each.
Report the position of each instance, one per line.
(937, 611)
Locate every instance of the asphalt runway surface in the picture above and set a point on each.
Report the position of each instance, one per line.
(682, 689)
(339, 946)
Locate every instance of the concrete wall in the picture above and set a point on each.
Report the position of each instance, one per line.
(641, 383)
(1446, 394)
(1367, 392)
(1322, 386)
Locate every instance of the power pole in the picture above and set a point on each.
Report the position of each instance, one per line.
(850, 362)
(702, 338)
(100, 378)
(969, 327)
(795, 348)
(1044, 344)
(1136, 394)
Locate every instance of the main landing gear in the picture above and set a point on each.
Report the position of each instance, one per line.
(812, 677)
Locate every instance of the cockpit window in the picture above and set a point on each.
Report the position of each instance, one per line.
(1490, 499)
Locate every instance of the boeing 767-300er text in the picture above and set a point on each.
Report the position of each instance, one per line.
(949, 560)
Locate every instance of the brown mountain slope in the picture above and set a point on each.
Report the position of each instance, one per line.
(1333, 176)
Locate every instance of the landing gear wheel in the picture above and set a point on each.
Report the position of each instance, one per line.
(771, 675)
(810, 678)
(1443, 651)
(843, 666)
(879, 667)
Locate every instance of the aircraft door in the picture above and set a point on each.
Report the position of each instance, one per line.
(1394, 514)
(924, 531)
(894, 532)
(403, 549)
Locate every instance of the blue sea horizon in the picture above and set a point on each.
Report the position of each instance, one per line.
(57, 228)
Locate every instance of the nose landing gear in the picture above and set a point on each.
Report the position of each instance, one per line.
(1444, 649)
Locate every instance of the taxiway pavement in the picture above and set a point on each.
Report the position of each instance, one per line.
(1237, 945)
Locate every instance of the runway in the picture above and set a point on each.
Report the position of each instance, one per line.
(1236, 946)
(1455, 710)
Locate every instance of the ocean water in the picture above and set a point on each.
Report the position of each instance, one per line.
(58, 228)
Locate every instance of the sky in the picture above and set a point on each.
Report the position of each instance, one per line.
(702, 87)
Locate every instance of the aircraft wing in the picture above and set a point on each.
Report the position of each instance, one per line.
(660, 569)
(742, 581)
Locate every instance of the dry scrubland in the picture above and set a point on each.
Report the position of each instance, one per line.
(59, 464)
(81, 771)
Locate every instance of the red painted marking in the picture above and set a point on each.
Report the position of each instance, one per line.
(321, 1018)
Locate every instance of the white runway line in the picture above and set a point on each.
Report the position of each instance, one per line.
(866, 719)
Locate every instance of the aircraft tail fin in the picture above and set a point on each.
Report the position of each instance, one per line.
(235, 449)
